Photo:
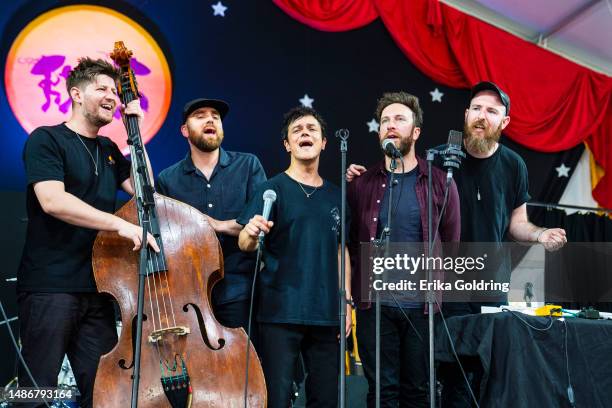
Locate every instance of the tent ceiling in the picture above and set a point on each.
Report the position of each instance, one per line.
(580, 30)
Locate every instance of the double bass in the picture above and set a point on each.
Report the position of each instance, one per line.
(187, 359)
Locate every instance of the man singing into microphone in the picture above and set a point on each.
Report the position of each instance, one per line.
(404, 350)
(298, 287)
(218, 183)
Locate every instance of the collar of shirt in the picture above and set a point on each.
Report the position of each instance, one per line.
(421, 164)
(224, 161)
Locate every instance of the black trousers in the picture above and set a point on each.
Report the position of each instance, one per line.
(81, 325)
(404, 359)
(236, 314)
(280, 346)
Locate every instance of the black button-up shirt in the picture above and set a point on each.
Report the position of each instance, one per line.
(221, 197)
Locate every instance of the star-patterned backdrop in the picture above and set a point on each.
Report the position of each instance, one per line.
(263, 62)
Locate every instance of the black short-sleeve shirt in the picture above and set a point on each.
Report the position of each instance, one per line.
(299, 283)
(489, 190)
(57, 255)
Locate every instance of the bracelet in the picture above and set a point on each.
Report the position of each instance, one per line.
(350, 302)
(540, 233)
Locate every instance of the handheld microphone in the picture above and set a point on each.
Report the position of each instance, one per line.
(452, 154)
(269, 197)
(390, 149)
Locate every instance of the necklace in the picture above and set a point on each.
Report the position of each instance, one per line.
(308, 195)
(95, 162)
(484, 170)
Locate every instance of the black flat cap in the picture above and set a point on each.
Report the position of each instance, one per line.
(221, 106)
(490, 86)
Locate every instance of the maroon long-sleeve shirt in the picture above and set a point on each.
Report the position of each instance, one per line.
(365, 195)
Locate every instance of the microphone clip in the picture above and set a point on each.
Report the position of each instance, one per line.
(452, 156)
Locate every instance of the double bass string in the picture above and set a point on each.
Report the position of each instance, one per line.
(138, 187)
(156, 262)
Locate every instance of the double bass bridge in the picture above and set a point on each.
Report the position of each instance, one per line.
(158, 335)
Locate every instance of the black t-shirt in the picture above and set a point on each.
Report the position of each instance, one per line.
(57, 255)
(489, 190)
(299, 283)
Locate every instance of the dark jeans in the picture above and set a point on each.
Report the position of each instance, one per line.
(404, 359)
(81, 325)
(280, 346)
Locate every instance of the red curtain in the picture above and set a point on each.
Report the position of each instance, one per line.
(330, 15)
(556, 104)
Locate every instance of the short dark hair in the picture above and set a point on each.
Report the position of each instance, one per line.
(406, 99)
(299, 112)
(87, 70)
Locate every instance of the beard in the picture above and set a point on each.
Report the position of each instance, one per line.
(480, 145)
(93, 117)
(405, 143)
(204, 144)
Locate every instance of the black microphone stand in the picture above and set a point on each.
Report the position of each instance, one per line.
(430, 293)
(343, 134)
(451, 155)
(384, 240)
(145, 201)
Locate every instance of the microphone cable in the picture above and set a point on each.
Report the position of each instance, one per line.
(570, 389)
(8, 326)
(450, 338)
(452, 344)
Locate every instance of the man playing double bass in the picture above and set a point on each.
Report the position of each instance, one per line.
(73, 175)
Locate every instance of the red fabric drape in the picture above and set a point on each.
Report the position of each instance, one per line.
(556, 104)
(330, 15)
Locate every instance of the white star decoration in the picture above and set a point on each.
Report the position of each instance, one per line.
(562, 170)
(219, 9)
(436, 95)
(373, 126)
(306, 101)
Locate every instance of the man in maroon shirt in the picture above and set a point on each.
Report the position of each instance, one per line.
(404, 348)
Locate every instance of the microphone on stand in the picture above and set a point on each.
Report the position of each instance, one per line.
(452, 154)
(269, 197)
(390, 149)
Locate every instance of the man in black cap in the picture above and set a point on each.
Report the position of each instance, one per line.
(493, 190)
(493, 181)
(219, 183)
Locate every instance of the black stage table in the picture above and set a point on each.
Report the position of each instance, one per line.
(525, 367)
